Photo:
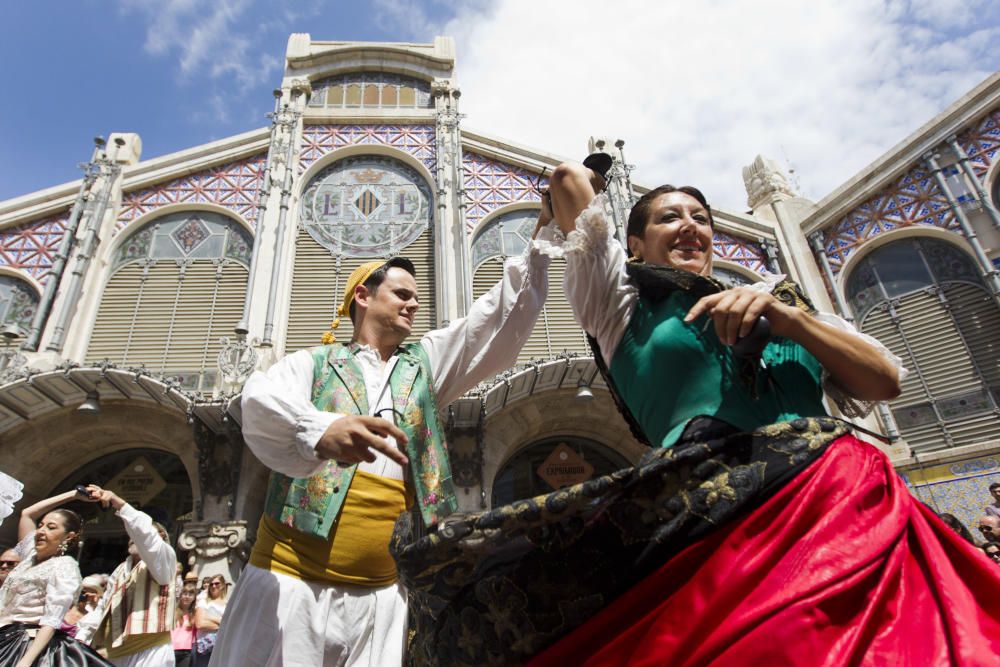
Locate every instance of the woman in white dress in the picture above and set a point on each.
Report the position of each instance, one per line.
(41, 589)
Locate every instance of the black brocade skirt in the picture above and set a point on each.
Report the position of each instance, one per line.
(62, 651)
(497, 587)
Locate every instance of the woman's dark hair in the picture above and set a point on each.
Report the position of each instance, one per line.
(639, 217)
(957, 526)
(72, 523)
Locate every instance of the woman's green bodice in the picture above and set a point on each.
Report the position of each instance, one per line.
(668, 372)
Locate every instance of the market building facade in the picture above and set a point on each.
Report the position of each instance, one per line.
(135, 301)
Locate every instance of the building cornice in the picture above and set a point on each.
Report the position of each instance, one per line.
(307, 57)
(191, 160)
(900, 158)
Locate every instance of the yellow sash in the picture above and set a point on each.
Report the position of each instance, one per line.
(356, 551)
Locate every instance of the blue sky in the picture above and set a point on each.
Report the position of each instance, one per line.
(74, 69)
(696, 89)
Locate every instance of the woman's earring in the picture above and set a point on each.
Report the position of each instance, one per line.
(63, 548)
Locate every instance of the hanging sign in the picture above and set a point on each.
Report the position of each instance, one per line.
(138, 483)
(564, 467)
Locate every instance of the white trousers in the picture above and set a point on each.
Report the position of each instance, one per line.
(158, 656)
(273, 620)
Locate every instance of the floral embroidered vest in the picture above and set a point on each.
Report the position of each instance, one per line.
(312, 504)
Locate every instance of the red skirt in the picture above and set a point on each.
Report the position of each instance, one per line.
(843, 566)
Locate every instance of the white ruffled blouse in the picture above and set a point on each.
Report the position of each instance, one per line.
(39, 593)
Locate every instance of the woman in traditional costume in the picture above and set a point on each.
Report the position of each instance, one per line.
(41, 589)
(757, 530)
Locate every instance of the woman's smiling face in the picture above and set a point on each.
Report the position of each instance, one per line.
(678, 233)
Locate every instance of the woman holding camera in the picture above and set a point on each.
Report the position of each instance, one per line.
(41, 589)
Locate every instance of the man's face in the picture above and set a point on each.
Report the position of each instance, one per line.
(993, 551)
(390, 309)
(996, 493)
(989, 527)
(8, 560)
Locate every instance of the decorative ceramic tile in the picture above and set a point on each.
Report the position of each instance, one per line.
(912, 200)
(740, 251)
(233, 185)
(491, 185)
(32, 246)
(982, 143)
(961, 488)
(417, 140)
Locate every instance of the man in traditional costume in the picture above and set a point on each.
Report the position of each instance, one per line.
(133, 620)
(354, 437)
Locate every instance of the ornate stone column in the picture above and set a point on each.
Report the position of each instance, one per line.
(216, 547)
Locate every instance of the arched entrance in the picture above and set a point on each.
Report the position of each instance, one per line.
(151, 480)
(551, 463)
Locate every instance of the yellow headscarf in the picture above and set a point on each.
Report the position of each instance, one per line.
(358, 277)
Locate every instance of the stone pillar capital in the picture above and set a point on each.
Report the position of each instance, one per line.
(216, 547)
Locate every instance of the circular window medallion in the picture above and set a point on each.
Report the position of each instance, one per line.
(366, 207)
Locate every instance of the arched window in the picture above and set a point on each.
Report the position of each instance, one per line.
(18, 303)
(924, 299)
(355, 210)
(541, 467)
(371, 90)
(556, 331)
(730, 277)
(177, 286)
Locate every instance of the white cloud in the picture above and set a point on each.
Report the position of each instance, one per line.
(697, 90)
(206, 39)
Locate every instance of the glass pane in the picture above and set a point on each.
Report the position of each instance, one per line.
(407, 97)
(900, 268)
(863, 291)
(354, 95)
(371, 95)
(914, 415)
(389, 95)
(967, 404)
(316, 100)
(335, 96)
(949, 262)
(165, 248)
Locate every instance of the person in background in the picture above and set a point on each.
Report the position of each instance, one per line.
(8, 560)
(39, 591)
(86, 602)
(185, 632)
(989, 528)
(993, 509)
(992, 549)
(134, 618)
(207, 617)
(959, 527)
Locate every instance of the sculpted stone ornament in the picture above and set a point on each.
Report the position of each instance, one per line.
(215, 547)
(238, 358)
(766, 183)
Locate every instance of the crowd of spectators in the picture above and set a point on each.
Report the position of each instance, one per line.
(143, 613)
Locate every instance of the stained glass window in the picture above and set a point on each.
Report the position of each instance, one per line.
(729, 277)
(368, 206)
(370, 90)
(18, 302)
(904, 267)
(505, 236)
(187, 235)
